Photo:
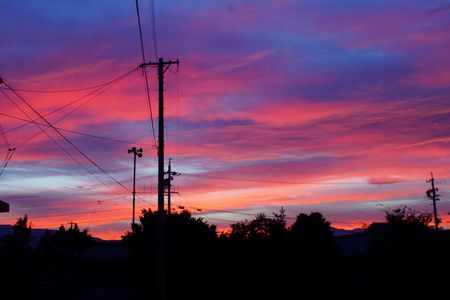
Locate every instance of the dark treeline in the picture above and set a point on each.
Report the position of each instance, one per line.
(265, 258)
(262, 258)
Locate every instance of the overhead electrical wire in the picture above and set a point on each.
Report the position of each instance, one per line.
(83, 133)
(5, 139)
(144, 69)
(80, 213)
(62, 135)
(110, 83)
(85, 222)
(58, 144)
(9, 151)
(97, 91)
(64, 91)
(38, 217)
(178, 114)
(202, 209)
(63, 117)
(6, 161)
(153, 20)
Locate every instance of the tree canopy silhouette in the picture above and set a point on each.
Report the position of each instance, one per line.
(405, 216)
(16, 245)
(262, 227)
(70, 241)
(312, 234)
(406, 232)
(183, 231)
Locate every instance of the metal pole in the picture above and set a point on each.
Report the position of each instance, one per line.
(138, 153)
(169, 192)
(134, 187)
(436, 220)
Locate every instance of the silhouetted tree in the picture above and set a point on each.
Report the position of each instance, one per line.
(407, 216)
(313, 236)
(182, 230)
(70, 241)
(16, 245)
(262, 227)
(406, 232)
(188, 242)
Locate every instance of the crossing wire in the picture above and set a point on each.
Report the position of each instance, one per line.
(60, 134)
(144, 69)
(65, 91)
(152, 12)
(58, 144)
(81, 98)
(94, 94)
(82, 133)
(9, 151)
(100, 91)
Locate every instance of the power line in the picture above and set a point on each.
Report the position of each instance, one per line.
(9, 151)
(84, 222)
(99, 90)
(145, 74)
(218, 219)
(9, 155)
(82, 133)
(5, 139)
(202, 209)
(66, 91)
(79, 213)
(66, 115)
(178, 115)
(37, 218)
(152, 11)
(58, 144)
(60, 134)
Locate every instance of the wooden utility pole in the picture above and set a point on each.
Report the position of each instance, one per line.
(162, 67)
(170, 176)
(136, 152)
(432, 194)
(169, 188)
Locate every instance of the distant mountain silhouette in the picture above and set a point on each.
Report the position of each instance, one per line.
(342, 232)
(36, 234)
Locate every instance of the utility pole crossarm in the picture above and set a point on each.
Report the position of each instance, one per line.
(164, 63)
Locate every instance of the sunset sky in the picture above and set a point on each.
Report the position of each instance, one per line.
(340, 107)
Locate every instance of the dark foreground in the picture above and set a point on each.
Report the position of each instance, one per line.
(222, 273)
